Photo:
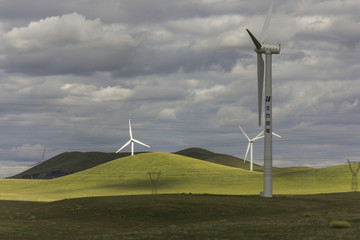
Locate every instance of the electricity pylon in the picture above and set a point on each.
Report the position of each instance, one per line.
(154, 180)
(354, 172)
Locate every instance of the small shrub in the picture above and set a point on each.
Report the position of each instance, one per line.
(339, 224)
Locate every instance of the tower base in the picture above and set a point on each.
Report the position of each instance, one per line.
(265, 195)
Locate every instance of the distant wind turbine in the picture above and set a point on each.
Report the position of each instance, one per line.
(250, 146)
(43, 155)
(251, 143)
(132, 141)
(268, 50)
(42, 159)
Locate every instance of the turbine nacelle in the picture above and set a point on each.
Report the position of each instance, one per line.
(268, 49)
(263, 47)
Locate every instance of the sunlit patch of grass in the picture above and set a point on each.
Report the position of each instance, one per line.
(339, 224)
(179, 174)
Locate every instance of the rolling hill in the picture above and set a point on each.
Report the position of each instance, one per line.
(72, 162)
(218, 158)
(179, 174)
(129, 175)
(68, 163)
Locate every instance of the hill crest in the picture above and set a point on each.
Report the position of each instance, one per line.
(71, 162)
(218, 158)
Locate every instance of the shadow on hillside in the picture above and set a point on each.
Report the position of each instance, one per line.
(143, 184)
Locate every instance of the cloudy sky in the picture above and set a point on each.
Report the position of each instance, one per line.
(73, 72)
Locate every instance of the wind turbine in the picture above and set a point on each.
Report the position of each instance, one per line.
(43, 155)
(41, 161)
(251, 143)
(268, 50)
(132, 141)
(250, 146)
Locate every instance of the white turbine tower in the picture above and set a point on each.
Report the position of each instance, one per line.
(132, 141)
(268, 50)
(251, 145)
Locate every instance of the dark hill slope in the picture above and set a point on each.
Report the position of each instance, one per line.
(218, 158)
(72, 162)
(68, 163)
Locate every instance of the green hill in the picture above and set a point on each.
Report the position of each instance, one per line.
(68, 163)
(218, 158)
(72, 162)
(179, 174)
(129, 175)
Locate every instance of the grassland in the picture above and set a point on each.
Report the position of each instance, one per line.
(113, 201)
(129, 176)
(179, 174)
(184, 216)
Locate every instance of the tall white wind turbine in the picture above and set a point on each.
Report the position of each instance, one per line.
(251, 145)
(132, 141)
(268, 50)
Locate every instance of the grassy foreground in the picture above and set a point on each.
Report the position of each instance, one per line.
(179, 174)
(113, 201)
(184, 216)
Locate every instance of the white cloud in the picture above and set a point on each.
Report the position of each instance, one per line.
(167, 114)
(11, 168)
(92, 93)
(158, 93)
(207, 26)
(73, 72)
(236, 114)
(57, 31)
(68, 44)
(209, 94)
(21, 157)
(315, 22)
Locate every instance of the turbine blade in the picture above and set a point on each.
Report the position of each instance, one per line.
(254, 139)
(43, 155)
(247, 151)
(123, 146)
(260, 69)
(255, 41)
(141, 143)
(130, 131)
(244, 133)
(276, 135)
(259, 136)
(266, 23)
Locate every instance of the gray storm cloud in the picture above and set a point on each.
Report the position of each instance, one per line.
(74, 72)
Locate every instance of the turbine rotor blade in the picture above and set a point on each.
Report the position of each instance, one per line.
(130, 131)
(260, 72)
(244, 133)
(259, 136)
(141, 143)
(276, 135)
(123, 146)
(247, 151)
(253, 38)
(266, 23)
